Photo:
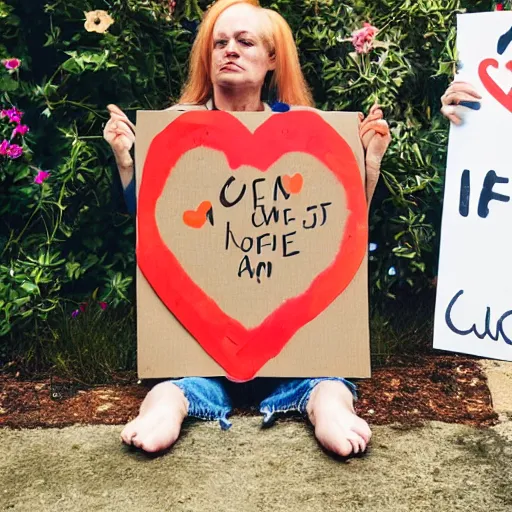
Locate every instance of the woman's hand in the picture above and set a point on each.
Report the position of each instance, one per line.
(457, 92)
(375, 136)
(119, 132)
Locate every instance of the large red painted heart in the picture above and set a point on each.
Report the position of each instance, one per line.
(492, 87)
(239, 350)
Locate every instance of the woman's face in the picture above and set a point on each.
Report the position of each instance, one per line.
(240, 57)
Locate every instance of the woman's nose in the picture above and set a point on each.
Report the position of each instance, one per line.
(231, 47)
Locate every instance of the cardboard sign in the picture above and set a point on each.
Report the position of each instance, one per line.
(474, 297)
(251, 249)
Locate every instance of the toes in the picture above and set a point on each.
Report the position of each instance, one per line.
(344, 448)
(362, 429)
(343, 434)
(365, 436)
(137, 442)
(148, 444)
(142, 445)
(153, 444)
(355, 445)
(334, 441)
(361, 444)
(358, 442)
(128, 433)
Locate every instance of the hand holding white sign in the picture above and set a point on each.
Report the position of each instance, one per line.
(474, 296)
(457, 94)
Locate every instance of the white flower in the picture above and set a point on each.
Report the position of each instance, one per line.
(97, 21)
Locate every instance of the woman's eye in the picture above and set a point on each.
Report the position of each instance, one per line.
(245, 42)
(220, 42)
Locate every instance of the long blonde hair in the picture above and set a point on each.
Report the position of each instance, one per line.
(287, 78)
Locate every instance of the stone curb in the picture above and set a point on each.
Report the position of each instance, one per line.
(499, 380)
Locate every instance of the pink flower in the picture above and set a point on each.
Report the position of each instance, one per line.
(20, 129)
(103, 305)
(362, 39)
(14, 151)
(4, 146)
(41, 176)
(83, 306)
(11, 64)
(13, 114)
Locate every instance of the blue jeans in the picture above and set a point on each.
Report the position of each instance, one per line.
(213, 398)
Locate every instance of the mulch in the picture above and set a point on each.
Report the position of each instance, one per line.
(407, 391)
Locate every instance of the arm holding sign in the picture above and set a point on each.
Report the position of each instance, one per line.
(119, 132)
(375, 136)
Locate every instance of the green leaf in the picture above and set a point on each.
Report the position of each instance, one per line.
(8, 84)
(87, 61)
(29, 287)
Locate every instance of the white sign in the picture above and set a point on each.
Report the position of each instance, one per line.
(474, 296)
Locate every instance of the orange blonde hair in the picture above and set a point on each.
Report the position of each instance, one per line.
(287, 78)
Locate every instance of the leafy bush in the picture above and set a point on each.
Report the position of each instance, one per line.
(68, 236)
(95, 344)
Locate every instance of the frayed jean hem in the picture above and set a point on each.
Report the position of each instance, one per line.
(199, 406)
(275, 405)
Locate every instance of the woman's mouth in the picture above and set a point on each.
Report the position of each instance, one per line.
(230, 66)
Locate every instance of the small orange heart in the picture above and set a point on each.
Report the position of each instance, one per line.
(293, 184)
(196, 218)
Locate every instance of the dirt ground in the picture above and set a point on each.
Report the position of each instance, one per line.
(442, 467)
(446, 388)
(410, 467)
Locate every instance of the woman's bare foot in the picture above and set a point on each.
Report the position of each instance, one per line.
(337, 427)
(158, 424)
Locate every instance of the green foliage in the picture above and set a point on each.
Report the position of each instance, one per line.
(91, 345)
(70, 235)
(62, 239)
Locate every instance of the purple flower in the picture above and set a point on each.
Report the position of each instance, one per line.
(11, 64)
(75, 313)
(20, 129)
(13, 114)
(4, 146)
(103, 305)
(41, 176)
(14, 151)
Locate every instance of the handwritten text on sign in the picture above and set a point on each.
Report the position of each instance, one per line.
(474, 297)
(263, 218)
